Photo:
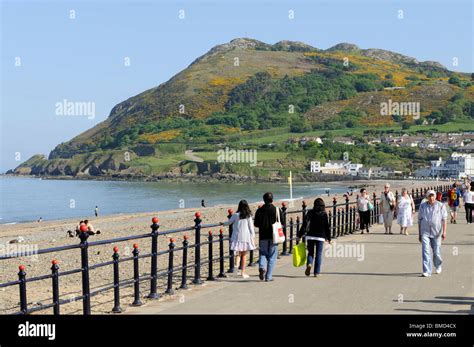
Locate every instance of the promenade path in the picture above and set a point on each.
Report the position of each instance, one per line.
(384, 279)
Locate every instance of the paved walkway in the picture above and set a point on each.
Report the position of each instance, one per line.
(385, 280)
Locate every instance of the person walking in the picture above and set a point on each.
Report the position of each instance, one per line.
(243, 234)
(432, 222)
(363, 209)
(468, 199)
(405, 211)
(453, 201)
(96, 211)
(265, 217)
(387, 205)
(315, 229)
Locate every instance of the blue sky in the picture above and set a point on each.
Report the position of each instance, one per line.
(82, 59)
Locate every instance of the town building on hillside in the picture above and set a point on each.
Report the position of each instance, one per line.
(307, 139)
(304, 140)
(467, 148)
(411, 141)
(374, 141)
(344, 140)
(457, 166)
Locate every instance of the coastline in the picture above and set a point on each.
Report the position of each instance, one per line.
(48, 234)
(213, 178)
(354, 184)
(371, 185)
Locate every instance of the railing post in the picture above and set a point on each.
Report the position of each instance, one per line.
(22, 286)
(334, 216)
(55, 280)
(197, 249)
(136, 277)
(210, 276)
(351, 221)
(251, 262)
(169, 287)
(154, 259)
(298, 226)
(339, 222)
(331, 230)
(374, 211)
(343, 221)
(115, 257)
(184, 272)
(283, 221)
(86, 301)
(231, 252)
(346, 225)
(221, 254)
(291, 235)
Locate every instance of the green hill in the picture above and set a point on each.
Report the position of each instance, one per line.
(247, 87)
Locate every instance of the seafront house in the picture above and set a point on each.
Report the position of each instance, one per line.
(457, 166)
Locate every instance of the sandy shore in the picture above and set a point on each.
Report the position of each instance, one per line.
(54, 233)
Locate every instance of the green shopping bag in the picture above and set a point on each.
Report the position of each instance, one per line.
(299, 254)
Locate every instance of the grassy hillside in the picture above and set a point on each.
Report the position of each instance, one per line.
(248, 93)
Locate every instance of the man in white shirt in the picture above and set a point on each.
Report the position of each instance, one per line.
(432, 222)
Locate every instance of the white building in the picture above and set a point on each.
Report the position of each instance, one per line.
(336, 167)
(315, 166)
(353, 169)
(457, 166)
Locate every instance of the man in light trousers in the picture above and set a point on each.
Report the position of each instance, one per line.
(432, 222)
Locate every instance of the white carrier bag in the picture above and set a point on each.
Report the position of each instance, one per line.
(278, 235)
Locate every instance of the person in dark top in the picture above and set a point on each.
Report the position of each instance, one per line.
(265, 217)
(315, 234)
(202, 203)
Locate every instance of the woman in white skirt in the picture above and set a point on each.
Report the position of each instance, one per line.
(405, 211)
(243, 234)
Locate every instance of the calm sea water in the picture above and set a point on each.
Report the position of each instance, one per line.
(27, 199)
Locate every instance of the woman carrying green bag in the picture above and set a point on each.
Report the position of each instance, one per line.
(315, 229)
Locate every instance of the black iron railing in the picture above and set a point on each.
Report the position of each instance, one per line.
(342, 219)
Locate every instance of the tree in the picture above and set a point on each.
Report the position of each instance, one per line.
(365, 85)
(453, 111)
(300, 126)
(454, 80)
